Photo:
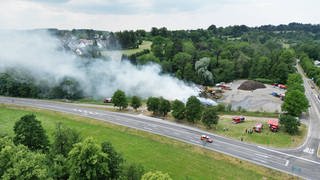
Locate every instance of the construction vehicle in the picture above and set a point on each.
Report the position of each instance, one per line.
(258, 127)
(210, 92)
(237, 119)
(273, 124)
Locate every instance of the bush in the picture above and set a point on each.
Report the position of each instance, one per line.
(221, 107)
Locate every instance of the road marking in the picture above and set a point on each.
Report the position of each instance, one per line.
(308, 150)
(290, 155)
(147, 128)
(261, 155)
(260, 160)
(287, 163)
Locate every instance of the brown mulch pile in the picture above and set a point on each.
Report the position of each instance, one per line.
(251, 85)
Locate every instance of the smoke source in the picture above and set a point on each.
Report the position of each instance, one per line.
(39, 54)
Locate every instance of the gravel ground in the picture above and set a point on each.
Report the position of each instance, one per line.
(257, 100)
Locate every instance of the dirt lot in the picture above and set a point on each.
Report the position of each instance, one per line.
(257, 100)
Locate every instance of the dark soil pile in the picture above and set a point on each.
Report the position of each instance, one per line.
(251, 85)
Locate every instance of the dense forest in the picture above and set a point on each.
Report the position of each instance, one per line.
(203, 56)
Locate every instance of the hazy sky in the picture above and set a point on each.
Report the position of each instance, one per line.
(144, 14)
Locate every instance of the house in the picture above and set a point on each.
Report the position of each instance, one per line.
(317, 63)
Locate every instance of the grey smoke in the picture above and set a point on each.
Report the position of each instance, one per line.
(39, 53)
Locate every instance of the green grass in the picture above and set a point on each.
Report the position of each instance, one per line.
(280, 139)
(91, 101)
(144, 45)
(180, 160)
(249, 113)
(266, 137)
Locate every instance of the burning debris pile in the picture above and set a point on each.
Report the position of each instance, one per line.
(251, 85)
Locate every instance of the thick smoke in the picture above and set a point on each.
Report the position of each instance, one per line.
(42, 56)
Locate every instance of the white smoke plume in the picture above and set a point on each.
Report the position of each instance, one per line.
(39, 54)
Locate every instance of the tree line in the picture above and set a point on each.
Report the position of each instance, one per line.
(193, 111)
(295, 103)
(208, 56)
(29, 155)
(18, 83)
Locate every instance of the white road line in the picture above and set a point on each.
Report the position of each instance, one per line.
(257, 159)
(301, 158)
(248, 150)
(287, 163)
(261, 155)
(147, 128)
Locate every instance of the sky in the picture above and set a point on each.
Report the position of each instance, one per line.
(115, 15)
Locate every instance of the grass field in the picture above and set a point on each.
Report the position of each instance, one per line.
(280, 139)
(266, 137)
(249, 113)
(144, 45)
(180, 160)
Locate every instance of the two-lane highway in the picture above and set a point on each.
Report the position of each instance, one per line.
(309, 149)
(275, 159)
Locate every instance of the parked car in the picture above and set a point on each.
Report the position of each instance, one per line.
(107, 100)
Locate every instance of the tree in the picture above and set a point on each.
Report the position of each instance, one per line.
(153, 104)
(210, 117)
(178, 109)
(179, 61)
(64, 139)
(115, 160)
(134, 172)
(164, 106)
(58, 167)
(119, 99)
(193, 109)
(290, 123)
(295, 103)
(201, 68)
(87, 161)
(68, 88)
(29, 132)
(18, 162)
(135, 102)
(158, 175)
(295, 82)
(281, 72)
(147, 58)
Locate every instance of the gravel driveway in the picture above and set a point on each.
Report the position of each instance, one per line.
(257, 100)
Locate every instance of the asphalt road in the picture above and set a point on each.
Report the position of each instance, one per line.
(309, 148)
(289, 162)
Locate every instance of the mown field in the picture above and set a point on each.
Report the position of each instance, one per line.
(266, 137)
(144, 45)
(180, 160)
